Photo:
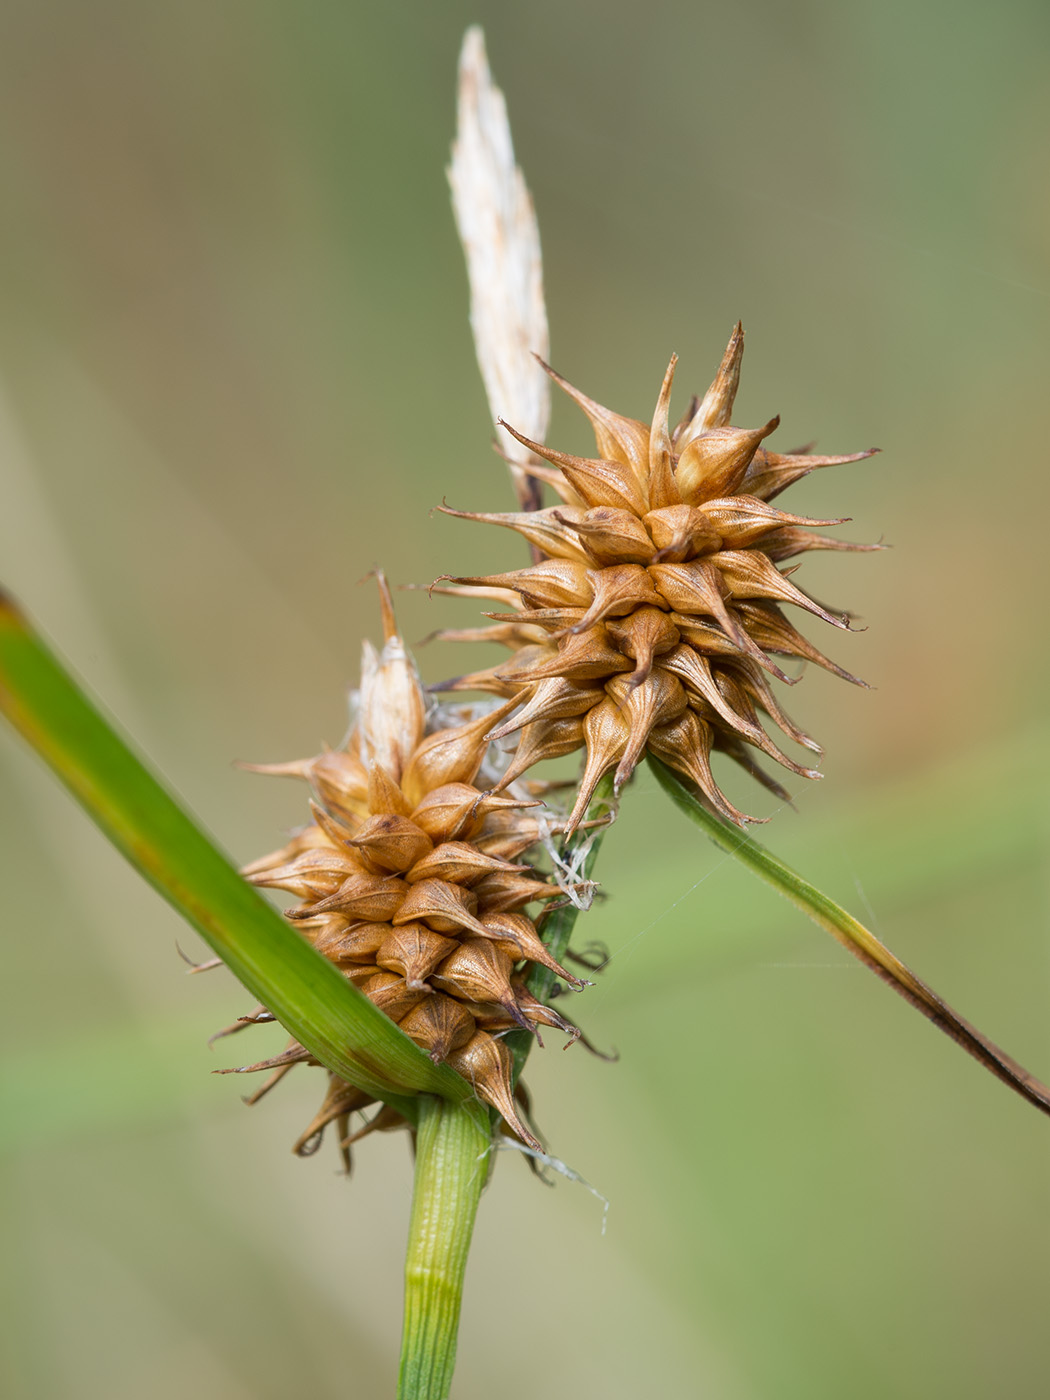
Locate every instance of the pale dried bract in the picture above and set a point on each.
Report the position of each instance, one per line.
(501, 240)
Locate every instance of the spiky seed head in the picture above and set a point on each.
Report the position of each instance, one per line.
(410, 883)
(656, 615)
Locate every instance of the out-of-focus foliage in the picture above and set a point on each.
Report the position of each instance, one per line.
(236, 373)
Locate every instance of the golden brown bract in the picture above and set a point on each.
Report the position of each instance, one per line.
(654, 620)
(410, 883)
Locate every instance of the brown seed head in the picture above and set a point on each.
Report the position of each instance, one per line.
(408, 876)
(661, 587)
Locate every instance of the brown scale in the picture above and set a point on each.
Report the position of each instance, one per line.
(660, 587)
(409, 881)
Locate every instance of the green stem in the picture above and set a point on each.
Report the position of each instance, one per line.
(853, 936)
(451, 1168)
(452, 1162)
(557, 928)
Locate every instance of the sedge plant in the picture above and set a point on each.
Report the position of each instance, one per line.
(437, 880)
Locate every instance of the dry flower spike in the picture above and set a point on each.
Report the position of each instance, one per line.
(653, 617)
(410, 882)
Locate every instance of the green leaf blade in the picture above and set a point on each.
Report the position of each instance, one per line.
(854, 937)
(333, 1020)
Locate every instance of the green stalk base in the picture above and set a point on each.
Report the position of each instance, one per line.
(452, 1165)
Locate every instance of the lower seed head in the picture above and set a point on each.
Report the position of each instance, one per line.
(406, 886)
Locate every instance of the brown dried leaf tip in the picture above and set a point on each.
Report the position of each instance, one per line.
(410, 882)
(654, 618)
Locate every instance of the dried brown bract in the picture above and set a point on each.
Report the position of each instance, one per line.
(654, 616)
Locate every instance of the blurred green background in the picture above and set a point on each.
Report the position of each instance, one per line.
(235, 373)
